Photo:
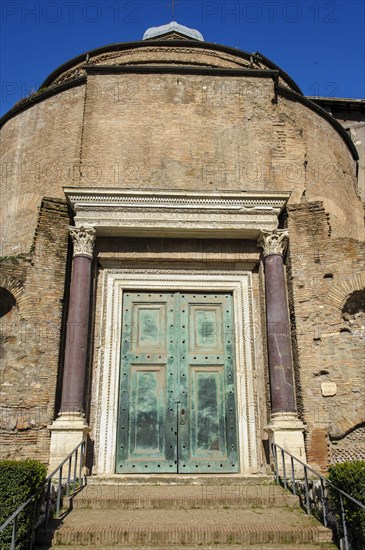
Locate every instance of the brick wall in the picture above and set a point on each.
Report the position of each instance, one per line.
(329, 348)
(30, 337)
(40, 152)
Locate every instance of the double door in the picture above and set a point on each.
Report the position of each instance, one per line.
(177, 401)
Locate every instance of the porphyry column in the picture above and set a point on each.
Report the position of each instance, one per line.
(285, 428)
(78, 321)
(70, 427)
(277, 322)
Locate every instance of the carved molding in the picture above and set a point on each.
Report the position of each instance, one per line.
(121, 212)
(83, 239)
(180, 199)
(273, 242)
(115, 283)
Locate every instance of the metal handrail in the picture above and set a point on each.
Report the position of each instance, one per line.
(76, 457)
(323, 482)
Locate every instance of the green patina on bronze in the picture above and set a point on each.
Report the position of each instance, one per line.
(177, 405)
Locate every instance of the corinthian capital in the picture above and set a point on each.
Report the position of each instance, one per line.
(273, 242)
(83, 239)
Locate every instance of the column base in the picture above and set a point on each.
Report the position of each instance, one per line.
(287, 431)
(67, 431)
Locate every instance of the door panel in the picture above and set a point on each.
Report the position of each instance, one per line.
(207, 413)
(148, 403)
(205, 328)
(208, 437)
(146, 438)
(177, 409)
(149, 324)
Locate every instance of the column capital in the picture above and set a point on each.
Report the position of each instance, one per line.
(83, 239)
(273, 242)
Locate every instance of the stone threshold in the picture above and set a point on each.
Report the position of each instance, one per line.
(161, 479)
(214, 546)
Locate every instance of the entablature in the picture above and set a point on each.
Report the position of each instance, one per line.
(159, 213)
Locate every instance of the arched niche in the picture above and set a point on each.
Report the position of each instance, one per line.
(7, 302)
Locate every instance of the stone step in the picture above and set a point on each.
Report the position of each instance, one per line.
(173, 479)
(183, 496)
(268, 546)
(100, 528)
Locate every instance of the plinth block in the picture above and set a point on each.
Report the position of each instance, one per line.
(287, 431)
(67, 431)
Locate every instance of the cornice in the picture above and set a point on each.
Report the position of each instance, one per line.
(339, 103)
(183, 69)
(117, 212)
(41, 96)
(197, 45)
(178, 199)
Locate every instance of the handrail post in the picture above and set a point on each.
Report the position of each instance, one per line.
(81, 461)
(344, 526)
(324, 502)
(75, 464)
(13, 534)
(293, 475)
(307, 491)
(47, 503)
(84, 463)
(59, 490)
(80, 466)
(284, 468)
(275, 453)
(32, 530)
(68, 477)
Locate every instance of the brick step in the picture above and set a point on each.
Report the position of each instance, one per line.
(100, 528)
(182, 496)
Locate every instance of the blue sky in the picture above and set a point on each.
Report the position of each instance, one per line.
(319, 43)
